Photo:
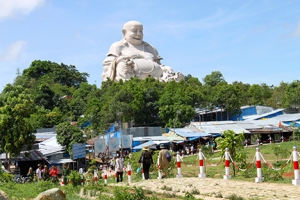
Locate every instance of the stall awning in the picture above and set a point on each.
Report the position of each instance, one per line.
(61, 161)
(150, 144)
(191, 133)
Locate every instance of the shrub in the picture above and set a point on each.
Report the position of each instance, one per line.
(75, 177)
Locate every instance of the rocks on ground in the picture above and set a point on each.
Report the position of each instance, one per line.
(52, 194)
(3, 196)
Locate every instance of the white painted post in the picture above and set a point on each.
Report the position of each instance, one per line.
(201, 166)
(129, 172)
(227, 163)
(296, 167)
(105, 176)
(259, 177)
(179, 175)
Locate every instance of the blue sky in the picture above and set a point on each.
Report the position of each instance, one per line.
(250, 41)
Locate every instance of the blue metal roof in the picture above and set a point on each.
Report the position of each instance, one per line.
(188, 132)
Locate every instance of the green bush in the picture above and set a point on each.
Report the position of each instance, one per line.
(6, 177)
(75, 178)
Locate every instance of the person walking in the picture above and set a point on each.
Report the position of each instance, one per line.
(146, 161)
(119, 168)
(163, 162)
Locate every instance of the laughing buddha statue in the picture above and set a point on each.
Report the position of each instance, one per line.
(133, 57)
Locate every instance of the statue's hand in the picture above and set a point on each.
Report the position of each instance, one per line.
(126, 59)
(121, 58)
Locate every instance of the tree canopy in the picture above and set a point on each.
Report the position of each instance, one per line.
(52, 94)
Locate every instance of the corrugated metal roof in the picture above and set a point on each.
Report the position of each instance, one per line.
(266, 123)
(44, 135)
(255, 117)
(247, 125)
(173, 137)
(288, 117)
(219, 127)
(188, 132)
(32, 155)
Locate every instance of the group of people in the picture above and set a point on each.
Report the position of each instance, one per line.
(46, 174)
(163, 161)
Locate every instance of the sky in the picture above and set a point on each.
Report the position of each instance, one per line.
(249, 41)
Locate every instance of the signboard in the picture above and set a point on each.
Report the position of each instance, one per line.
(78, 150)
(100, 146)
(113, 144)
(127, 141)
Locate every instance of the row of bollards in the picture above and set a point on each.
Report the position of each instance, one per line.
(227, 175)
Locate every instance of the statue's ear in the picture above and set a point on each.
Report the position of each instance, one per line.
(123, 33)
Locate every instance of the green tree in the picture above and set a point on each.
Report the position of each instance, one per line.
(243, 88)
(177, 104)
(260, 94)
(63, 74)
(45, 97)
(16, 106)
(234, 142)
(278, 95)
(214, 78)
(291, 98)
(68, 134)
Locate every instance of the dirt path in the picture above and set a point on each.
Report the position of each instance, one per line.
(220, 189)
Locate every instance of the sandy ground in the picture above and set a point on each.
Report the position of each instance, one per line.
(220, 189)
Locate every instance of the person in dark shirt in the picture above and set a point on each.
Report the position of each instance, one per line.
(146, 160)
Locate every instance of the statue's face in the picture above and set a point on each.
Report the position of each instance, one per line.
(133, 33)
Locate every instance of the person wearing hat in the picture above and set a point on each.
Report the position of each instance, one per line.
(146, 161)
(39, 172)
(163, 163)
(46, 175)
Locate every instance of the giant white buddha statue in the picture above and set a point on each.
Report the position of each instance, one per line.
(133, 57)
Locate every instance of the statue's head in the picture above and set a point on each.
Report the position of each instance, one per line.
(133, 32)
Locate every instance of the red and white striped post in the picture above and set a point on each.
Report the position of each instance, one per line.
(159, 172)
(179, 175)
(296, 167)
(96, 175)
(201, 166)
(62, 181)
(129, 172)
(259, 177)
(105, 176)
(143, 174)
(227, 163)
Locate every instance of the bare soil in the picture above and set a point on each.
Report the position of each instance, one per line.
(211, 188)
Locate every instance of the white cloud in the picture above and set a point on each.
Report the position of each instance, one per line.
(296, 31)
(13, 52)
(9, 8)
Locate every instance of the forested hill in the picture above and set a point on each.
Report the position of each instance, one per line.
(47, 94)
